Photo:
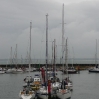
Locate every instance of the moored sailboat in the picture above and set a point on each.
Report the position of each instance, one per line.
(27, 92)
(63, 92)
(95, 69)
(45, 91)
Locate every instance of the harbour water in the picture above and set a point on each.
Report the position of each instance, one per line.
(85, 85)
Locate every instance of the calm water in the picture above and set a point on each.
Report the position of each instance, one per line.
(85, 85)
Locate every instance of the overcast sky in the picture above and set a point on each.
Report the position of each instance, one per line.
(81, 28)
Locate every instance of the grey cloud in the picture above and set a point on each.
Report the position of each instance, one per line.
(81, 28)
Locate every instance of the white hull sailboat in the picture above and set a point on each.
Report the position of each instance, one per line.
(96, 68)
(27, 92)
(43, 92)
(69, 84)
(63, 92)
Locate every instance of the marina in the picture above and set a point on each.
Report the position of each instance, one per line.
(56, 57)
(85, 85)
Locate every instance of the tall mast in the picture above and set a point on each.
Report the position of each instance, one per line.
(46, 47)
(62, 28)
(30, 48)
(63, 35)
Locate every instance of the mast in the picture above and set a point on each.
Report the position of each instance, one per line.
(52, 55)
(30, 49)
(26, 58)
(66, 57)
(72, 57)
(96, 54)
(46, 79)
(11, 57)
(63, 35)
(21, 61)
(54, 67)
(16, 56)
(62, 29)
(63, 42)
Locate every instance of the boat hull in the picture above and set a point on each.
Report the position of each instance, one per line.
(23, 95)
(27, 96)
(94, 71)
(43, 96)
(2, 72)
(66, 95)
(71, 72)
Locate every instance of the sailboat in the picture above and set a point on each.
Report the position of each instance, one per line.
(45, 91)
(11, 70)
(69, 84)
(14, 70)
(55, 81)
(71, 69)
(96, 68)
(27, 92)
(63, 92)
(17, 69)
